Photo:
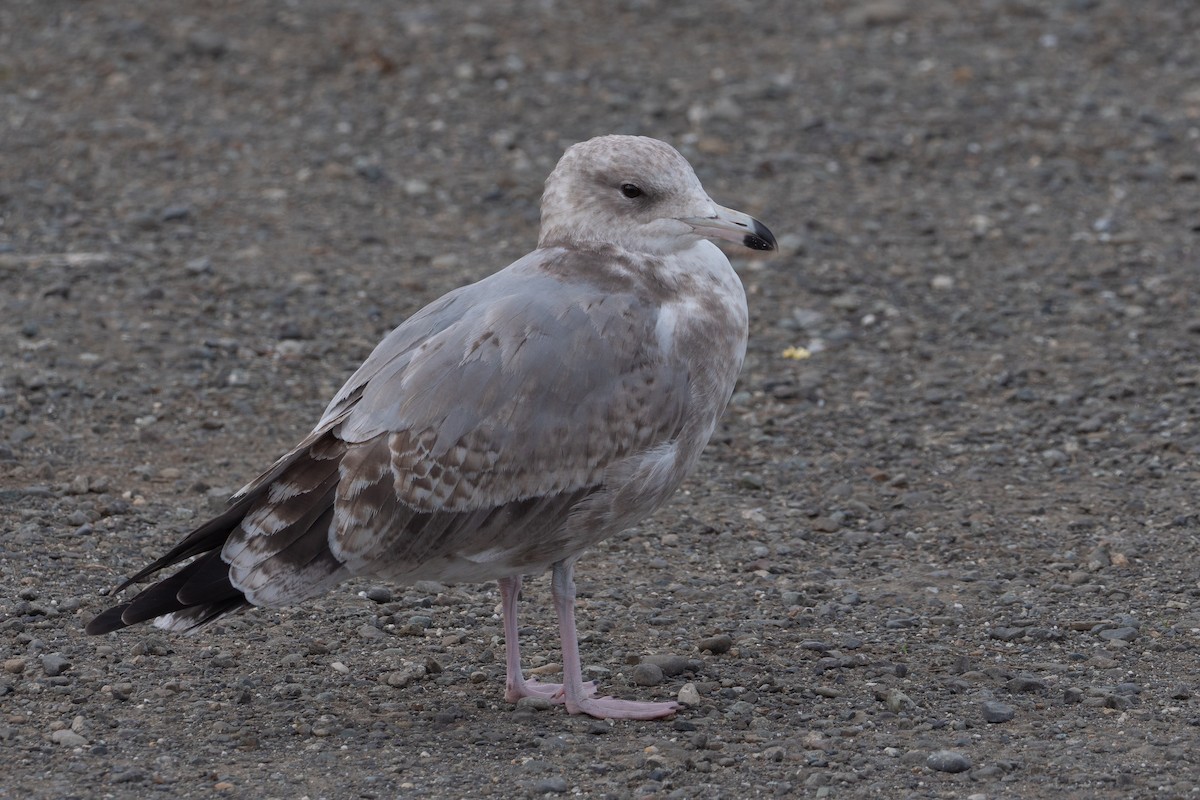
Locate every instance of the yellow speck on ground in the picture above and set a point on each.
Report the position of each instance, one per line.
(797, 353)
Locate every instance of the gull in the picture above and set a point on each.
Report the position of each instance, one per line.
(507, 427)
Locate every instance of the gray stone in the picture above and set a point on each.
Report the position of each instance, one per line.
(55, 664)
(716, 644)
(379, 594)
(646, 674)
(689, 694)
(556, 785)
(68, 738)
(669, 664)
(948, 761)
(534, 703)
(1123, 634)
(994, 711)
(898, 701)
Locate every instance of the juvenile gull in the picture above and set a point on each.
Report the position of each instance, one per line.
(507, 427)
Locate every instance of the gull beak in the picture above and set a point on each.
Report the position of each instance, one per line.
(733, 226)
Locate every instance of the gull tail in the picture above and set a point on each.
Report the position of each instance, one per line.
(195, 595)
(275, 532)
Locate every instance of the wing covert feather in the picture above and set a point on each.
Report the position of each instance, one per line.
(524, 395)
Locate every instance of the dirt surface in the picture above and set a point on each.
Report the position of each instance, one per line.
(955, 549)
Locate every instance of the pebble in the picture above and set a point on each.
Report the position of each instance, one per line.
(207, 43)
(826, 525)
(994, 711)
(175, 213)
(646, 674)
(689, 695)
(898, 701)
(68, 738)
(14, 666)
(369, 631)
(1123, 634)
(556, 785)
(55, 664)
(1026, 683)
(948, 761)
(716, 644)
(741, 708)
(878, 13)
(534, 703)
(670, 665)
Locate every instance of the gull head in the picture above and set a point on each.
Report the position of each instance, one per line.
(639, 194)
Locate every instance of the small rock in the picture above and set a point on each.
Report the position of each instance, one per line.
(1119, 701)
(55, 664)
(948, 761)
(646, 674)
(68, 738)
(898, 701)
(716, 644)
(21, 434)
(207, 43)
(689, 695)
(199, 266)
(127, 775)
(415, 187)
(401, 678)
(825, 525)
(1055, 458)
(878, 13)
(1123, 634)
(750, 481)
(14, 666)
(1025, 683)
(669, 664)
(534, 703)
(741, 708)
(556, 785)
(994, 711)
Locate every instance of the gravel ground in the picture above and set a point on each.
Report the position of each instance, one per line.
(953, 552)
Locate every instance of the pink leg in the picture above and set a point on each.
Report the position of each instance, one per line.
(515, 685)
(578, 700)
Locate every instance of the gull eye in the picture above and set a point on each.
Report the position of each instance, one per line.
(630, 191)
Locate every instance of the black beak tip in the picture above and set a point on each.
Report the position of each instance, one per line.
(760, 239)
